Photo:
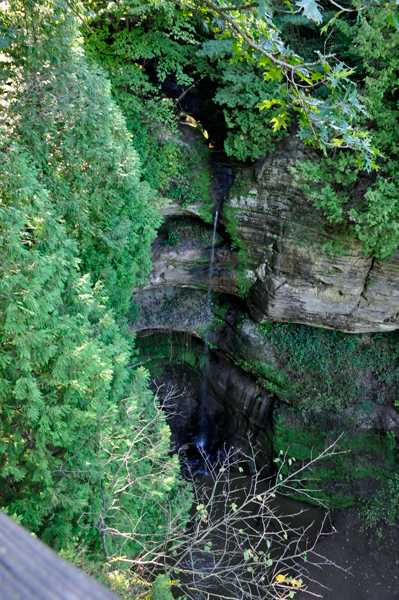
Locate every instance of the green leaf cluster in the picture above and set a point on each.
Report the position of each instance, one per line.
(321, 372)
(383, 507)
(366, 205)
(59, 106)
(151, 42)
(250, 133)
(170, 42)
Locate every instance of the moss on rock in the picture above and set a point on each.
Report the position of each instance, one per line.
(352, 475)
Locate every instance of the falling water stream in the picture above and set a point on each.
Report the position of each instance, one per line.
(222, 175)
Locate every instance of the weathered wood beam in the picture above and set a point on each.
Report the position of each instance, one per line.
(30, 570)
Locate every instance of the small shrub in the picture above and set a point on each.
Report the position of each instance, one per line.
(173, 239)
(383, 507)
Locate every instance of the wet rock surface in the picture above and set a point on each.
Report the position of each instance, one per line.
(187, 264)
(216, 401)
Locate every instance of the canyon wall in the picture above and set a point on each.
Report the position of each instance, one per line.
(276, 260)
(302, 271)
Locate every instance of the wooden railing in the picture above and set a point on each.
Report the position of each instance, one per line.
(30, 570)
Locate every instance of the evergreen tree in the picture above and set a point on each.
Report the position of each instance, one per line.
(59, 107)
(76, 226)
(360, 204)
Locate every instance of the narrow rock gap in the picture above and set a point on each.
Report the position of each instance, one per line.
(367, 279)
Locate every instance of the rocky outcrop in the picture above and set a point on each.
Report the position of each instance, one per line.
(295, 265)
(225, 327)
(199, 326)
(186, 264)
(287, 249)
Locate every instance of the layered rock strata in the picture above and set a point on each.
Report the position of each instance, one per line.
(276, 259)
(287, 247)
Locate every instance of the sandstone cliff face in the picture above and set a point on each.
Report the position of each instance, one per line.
(297, 268)
(271, 263)
(295, 277)
(187, 264)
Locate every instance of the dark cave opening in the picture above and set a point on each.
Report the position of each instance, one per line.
(215, 404)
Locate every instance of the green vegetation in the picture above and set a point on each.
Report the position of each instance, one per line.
(329, 383)
(250, 134)
(330, 371)
(172, 240)
(319, 91)
(191, 231)
(345, 478)
(337, 185)
(93, 143)
(146, 40)
(59, 112)
(77, 222)
(161, 350)
(383, 507)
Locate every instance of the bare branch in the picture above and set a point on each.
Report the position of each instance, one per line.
(237, 538)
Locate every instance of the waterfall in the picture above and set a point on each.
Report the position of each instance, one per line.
(222, 175)
(222, 181)
(212, 260)
(201, 439)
